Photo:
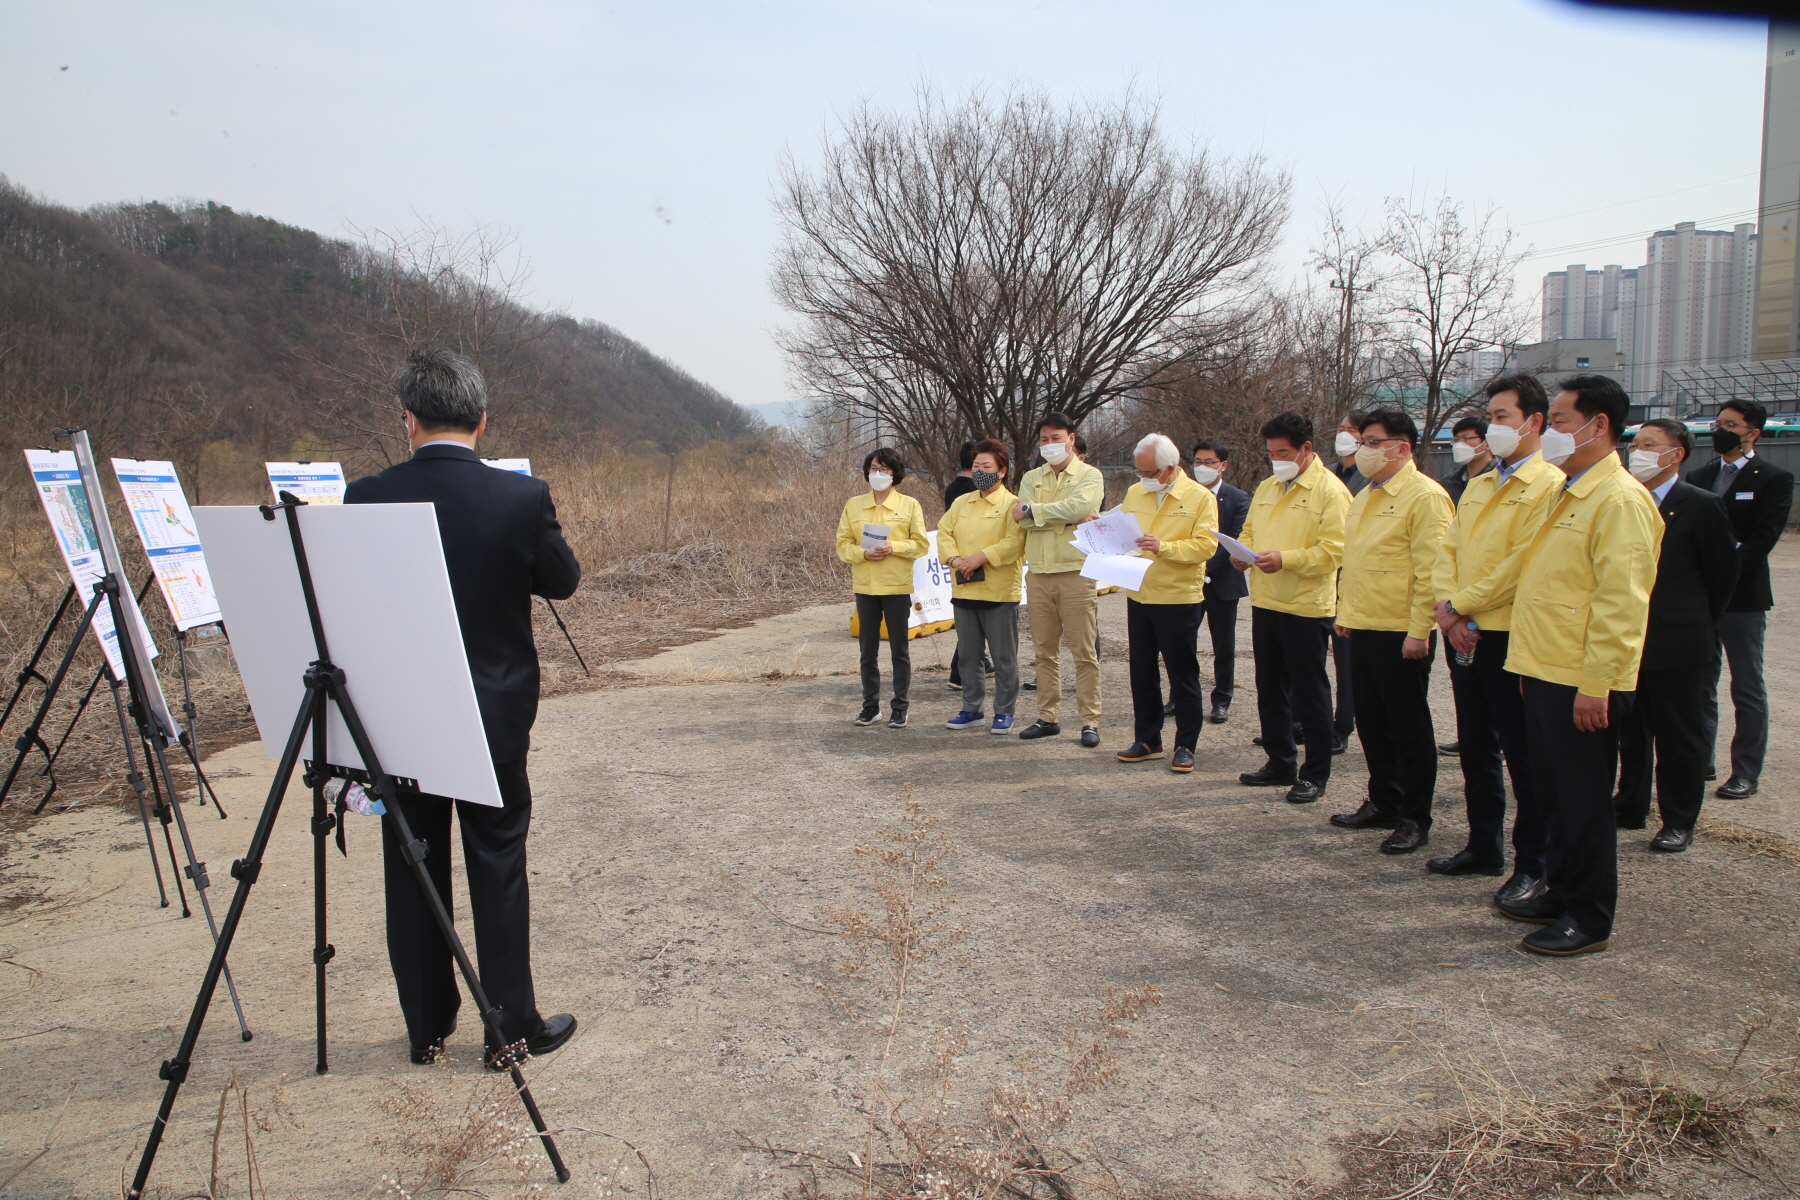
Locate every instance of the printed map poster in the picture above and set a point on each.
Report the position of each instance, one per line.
(313, 482)
(518, 466)
(166, 526)
(65, 499)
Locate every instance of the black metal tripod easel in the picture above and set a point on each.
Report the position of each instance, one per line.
(326, 684)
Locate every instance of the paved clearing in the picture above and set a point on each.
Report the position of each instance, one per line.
(734, 770)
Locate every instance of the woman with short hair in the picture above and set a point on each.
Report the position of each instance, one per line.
(881, 575)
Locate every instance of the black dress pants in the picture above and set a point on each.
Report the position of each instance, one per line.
(1574, 772)
(1490, 725)
(1669, 725)
(1393, 709)
(1221, 622)
(1167, 631)
(493, 842)
(870, 611)
(1292, 687)
(1343, 721)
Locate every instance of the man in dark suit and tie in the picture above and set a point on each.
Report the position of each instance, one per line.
(1224, 586)
(502, 545)
(1757, 496)
(1696, 573)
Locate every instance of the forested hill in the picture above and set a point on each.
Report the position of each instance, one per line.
(176, 327)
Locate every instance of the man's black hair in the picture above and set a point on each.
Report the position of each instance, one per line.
(965, 457)
(1476, 424)
(1529, 387)
(1217, 448)
(1297, 428)
(1678, 430)
(1080, 446)
(1356, 417)
(1397, 424)
(1754, 414)
(1596, 396)
(1055, 420)
(888, 458)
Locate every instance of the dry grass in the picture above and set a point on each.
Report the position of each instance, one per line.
(1753, 842)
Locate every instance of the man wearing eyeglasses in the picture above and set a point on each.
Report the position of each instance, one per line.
(1757, 496)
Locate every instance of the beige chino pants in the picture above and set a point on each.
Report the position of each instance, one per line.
(1064, 605)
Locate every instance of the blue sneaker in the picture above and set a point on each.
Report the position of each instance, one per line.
(1001, 725)
(965, 720)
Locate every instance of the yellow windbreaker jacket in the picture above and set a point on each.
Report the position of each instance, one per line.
(1185, 521)
(1584, 592)
(1478, 567)
(893, 575)
(1391, 540)
(984, 523)
(1305, 521)
(1058, 503)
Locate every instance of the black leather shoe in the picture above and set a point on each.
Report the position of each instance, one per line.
(1450, 748)
(556, 1032)
(1182, 761)
(1138, 752)
(1038, 729)
(429, 1053)
(1090, 736)
(1625, 822)
(1406, 838)
(1169, 709)
(1304, 793)
(1220, 714)
(1735, 788)
(1338, 744)
(1520, 887)
(1257, 740)
(1561, 939)
(1269, 776)
(1030, 686)
(1712, 773)
(1538, 910)
(1366, 817)
(1464, 863)
(1672, 841)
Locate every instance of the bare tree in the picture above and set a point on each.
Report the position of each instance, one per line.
(963, 268)
(1340, 332)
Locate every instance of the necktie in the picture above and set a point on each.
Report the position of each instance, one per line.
(1727, 473)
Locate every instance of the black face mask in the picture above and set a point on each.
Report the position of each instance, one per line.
(1725, 441)
(984, 480)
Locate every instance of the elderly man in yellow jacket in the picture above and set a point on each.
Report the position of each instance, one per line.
(1385, 605)
(1296, 526)
(1577, 638)
(1162, 618)
(881, 576)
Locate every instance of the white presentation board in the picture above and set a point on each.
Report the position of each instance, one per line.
(57, 478)
(518, 466)
(313, 482)
(390, 623)
(165, 525)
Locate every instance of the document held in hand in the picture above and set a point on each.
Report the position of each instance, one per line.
(1112, 532)
(1117, 570)
(1237, 549)
(874, 537)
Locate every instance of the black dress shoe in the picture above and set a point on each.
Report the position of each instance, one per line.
(1269, 776)
(1182, 761)
(1672, 841)
(433, 1050)
(1220, 714)
(556, 1032)
(1562, 939)
(1257, 740)
(1520, 887)
(1537, 910)
(1735, 788)
(1304, 793)
(1464, 863)
(1090, 736)
(1030, 686)
(1169, 709)
(1138, 752)
(1712, 773)
(1366, 817)
(1338, 744)
(1040, 729)
(1450, 748)
(1625, 822)
(1406, 838)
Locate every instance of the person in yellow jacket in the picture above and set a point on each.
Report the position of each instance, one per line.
(1577, 638)
(1180, 520)
(1385, 603)
(1296, 528)
(985, 548)
(1475, 579)
(1053, 499)
(880, 534)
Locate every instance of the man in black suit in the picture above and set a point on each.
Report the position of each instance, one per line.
(1224, 586)
(1757, 496)
(1696, 572)
(502, 545)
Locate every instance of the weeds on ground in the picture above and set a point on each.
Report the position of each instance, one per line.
(443, 1147)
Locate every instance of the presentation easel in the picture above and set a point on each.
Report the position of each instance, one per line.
(522, 466)
(326, 692)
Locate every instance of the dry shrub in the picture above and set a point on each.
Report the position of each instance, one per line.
(455, 1141)
(1756, 843)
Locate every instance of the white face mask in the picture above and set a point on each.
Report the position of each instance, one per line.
(1647, 464)
(1054, 452)
(1502, 440)
(1204, 475)
(1155, 487)
(1558, 446)
(1461, 453)
(880, 481)
(1284, 470)
(1372, 462)
(1346, 444)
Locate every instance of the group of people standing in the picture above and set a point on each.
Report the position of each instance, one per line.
(1584, 604)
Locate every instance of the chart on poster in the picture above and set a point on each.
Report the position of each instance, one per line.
(160, 511)
(58, 482)
(313, 482)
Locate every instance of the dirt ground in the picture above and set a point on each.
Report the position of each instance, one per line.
(1314, 989)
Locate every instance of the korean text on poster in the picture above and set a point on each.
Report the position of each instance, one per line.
(313, 482)
(166, 525)
(58, 483)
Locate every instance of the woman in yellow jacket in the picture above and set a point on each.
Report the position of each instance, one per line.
(985, 547)
(879, 535)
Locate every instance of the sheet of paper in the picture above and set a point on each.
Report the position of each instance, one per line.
(313, 482)
(57, 479)
(1117, 570)
(1112, 532)
(874, 537)
(518, 466)
(166, 526)
(1238, 550)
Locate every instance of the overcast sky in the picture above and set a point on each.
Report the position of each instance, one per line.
(631, 147)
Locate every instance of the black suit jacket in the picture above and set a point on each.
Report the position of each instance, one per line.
(1696, 574)
(1223, 581)
(503, 545)
(1757, 501)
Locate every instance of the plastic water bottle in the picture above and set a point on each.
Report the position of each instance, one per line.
(1464, 659)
